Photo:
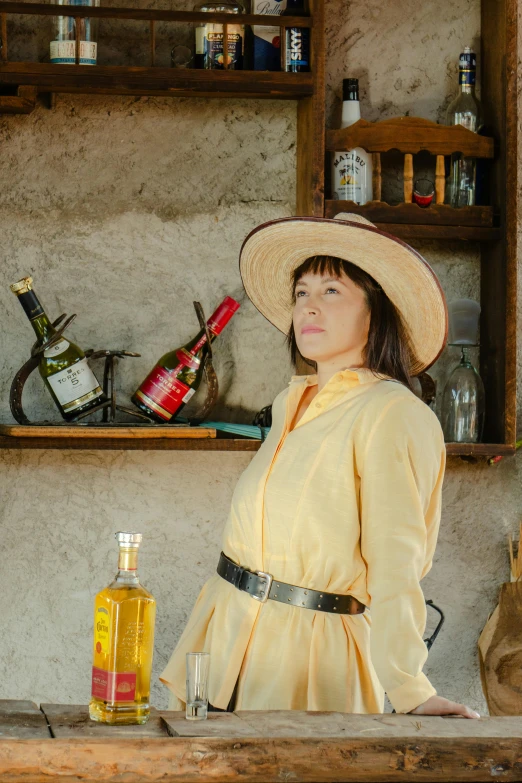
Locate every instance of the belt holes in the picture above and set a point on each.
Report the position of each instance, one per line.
(335, 608)
(336, 599)
(321, 595)
(288, 599)
(318, 606)
(278, 585)
(306, 592)
(291, 589)
(275, 595)
(302, 604)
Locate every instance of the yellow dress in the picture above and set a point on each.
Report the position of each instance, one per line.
(348, 501)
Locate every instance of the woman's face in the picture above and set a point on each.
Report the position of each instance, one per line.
(337, 310)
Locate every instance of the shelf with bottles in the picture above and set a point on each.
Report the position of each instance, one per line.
(228, 81)
(411, 135)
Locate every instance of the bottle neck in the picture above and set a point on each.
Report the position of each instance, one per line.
(216, 323)
(128, 565)
(467, 80)
(34, 311)
(351, 113)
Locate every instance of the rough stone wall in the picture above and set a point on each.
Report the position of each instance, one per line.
(124, 211)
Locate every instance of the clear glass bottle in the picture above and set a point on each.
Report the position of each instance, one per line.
(463, 403)
(464, 110)
(210, 52)
(352, 170)
(63, 47)
(124, 616)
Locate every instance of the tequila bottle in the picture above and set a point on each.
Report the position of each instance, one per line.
(124, 615)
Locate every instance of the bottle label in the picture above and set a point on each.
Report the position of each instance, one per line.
(209, 44)
(56, 349)
(163, 393)
(75, 385)
(102, 628)
(352, 176)
(113, 686)
(297, 47)
(64, 52)
(467, 76)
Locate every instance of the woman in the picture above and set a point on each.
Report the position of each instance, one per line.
(316, 603)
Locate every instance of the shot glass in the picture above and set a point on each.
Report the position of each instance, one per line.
(197, 685)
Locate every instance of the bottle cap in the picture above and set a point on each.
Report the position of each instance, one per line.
(130, 539)
(22, 286)
(350, 89)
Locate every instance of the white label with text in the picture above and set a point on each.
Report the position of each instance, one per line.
(73, 384)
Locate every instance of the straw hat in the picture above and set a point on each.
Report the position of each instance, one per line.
(272, 251)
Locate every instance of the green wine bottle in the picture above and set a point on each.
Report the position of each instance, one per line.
(63, 366)
(176, 377)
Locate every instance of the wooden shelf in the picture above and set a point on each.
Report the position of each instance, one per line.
(409, 221)
(410, 135)
(131, 444)
(124, 443)
(171, 82)
(480, 449)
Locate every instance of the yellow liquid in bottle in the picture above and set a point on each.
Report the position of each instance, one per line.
(124, 616)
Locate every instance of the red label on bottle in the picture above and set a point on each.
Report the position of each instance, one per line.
(223, 314)
(113, 686)
(162, 392)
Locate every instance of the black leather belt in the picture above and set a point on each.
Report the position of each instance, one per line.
(263, 586)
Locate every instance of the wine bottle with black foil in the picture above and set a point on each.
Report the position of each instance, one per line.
(63, 366)
(177, 375)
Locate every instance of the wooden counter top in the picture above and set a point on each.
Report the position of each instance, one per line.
(61, 743)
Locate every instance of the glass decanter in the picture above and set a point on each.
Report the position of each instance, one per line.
(463, 403)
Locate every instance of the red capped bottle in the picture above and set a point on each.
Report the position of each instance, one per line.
(177, 375)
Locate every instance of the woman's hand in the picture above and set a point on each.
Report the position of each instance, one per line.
(437, 705)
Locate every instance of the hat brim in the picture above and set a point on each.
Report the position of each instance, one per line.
(273, 250)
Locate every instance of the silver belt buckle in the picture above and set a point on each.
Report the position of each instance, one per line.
(263, 598)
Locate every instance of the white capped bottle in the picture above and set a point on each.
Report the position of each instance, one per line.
(352, 170)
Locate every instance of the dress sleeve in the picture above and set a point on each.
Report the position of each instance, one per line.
(401, 471)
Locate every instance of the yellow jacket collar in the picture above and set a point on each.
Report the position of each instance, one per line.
(359, 375)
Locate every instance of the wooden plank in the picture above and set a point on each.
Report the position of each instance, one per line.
(292, 723)
(480, 449)
(410, 135)
(499, 262)
(173, 82)
(258, 760)
(311, 126)
(408, 231)
(436, 214)
(103, 431)
(148, 14)
(72, 720)
(141, 444)
(217, 724)
(22, 103)
(22, 720)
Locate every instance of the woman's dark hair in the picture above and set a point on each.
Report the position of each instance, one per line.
(387, 350)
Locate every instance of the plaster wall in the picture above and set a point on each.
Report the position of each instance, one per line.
(126, 210)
